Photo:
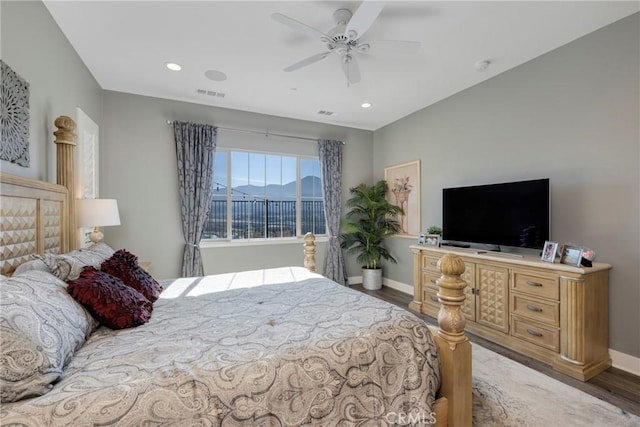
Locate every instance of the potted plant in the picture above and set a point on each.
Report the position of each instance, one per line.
(434, 229)
(369, 221)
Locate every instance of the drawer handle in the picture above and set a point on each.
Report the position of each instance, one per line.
(531, 283)
(534, 333)
(434, 263)
(434, 299)
(533, 308)
(433, 281)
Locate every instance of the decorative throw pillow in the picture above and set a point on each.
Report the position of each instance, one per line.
(34, 264)
(100, 248)
(64, 267)
(124, 265)
(41, 327)
(110, 301)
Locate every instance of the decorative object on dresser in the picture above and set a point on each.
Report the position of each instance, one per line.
(14, 141)
(432, 239)
(370, 219)
(434, 229)
(97, 213)
(404, 192)
(571, 255)
(554, 313)
(549, 251)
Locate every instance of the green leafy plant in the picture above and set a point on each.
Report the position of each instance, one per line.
(434, 229)
(370, 219)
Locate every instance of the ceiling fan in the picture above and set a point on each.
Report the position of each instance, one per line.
(344, 40)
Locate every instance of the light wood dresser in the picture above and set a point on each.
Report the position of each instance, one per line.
(554, 313)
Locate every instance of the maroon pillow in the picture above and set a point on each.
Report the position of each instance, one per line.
(124, 266)
(110, 301)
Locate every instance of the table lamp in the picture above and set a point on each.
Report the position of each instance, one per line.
(97, 213)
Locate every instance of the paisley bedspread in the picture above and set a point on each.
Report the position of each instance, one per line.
(222, 351)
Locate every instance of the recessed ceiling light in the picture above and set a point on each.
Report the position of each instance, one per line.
(173, 66)
(215, 75)
(366, 105)
(482, 65)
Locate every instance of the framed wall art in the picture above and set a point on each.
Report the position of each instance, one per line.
(14, 116)
(87, 161)
(404, 191)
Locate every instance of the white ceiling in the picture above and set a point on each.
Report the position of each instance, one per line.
(125, 45)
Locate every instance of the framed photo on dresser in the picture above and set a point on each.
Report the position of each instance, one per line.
(571, 255)
(549, 251)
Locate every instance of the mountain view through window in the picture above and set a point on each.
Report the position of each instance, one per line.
(262, 196)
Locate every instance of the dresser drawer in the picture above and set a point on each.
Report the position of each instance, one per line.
(430, 299)
(542, 311)
(536, 285)
(429, 278)
(430, 263)
(544, 336)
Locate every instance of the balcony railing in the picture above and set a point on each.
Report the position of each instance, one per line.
(264, 219)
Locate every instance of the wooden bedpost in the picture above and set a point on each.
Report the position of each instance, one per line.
(454, 347)
(65, 169)
(310, 252)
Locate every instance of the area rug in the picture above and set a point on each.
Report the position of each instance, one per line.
(507, 393)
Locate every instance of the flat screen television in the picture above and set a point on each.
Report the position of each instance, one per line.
(507, 214)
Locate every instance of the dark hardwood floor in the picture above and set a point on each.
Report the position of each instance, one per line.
(615, 386)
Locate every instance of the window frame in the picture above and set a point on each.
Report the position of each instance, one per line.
(229, 240)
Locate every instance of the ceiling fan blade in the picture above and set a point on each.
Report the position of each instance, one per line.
(351, 69)
(298, 26)
(363, 18)
(388, 47)
(308, 61)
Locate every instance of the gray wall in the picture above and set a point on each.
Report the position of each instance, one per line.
(571, 115)
(138, 167)
(35, 48)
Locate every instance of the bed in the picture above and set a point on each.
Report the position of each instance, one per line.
(271, 347)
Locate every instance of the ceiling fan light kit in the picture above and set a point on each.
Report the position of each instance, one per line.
(344, 39)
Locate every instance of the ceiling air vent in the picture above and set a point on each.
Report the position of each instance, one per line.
(325, 113)
(210, 93)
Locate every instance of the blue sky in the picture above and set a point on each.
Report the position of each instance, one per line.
(256, 168)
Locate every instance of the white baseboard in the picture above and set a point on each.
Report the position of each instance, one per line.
(355, 280)
(623, 361)
(402, 287)
(626, 362)
(399, 286)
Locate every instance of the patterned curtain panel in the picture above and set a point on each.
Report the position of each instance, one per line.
(195, 148)
(330, 153)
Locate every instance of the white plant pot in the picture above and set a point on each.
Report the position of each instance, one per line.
(372, 279)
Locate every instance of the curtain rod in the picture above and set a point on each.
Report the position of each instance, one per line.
(267, 133)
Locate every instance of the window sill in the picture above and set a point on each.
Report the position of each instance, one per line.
(206, 244)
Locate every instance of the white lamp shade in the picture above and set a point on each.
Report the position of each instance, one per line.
(97, 212)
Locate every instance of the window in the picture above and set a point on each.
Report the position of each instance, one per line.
(264, 196)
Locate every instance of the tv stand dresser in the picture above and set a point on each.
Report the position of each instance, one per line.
(554, 313)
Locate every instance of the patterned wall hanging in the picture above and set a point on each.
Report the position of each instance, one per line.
(14, 117)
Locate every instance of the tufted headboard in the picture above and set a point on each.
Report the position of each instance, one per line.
(34, 217)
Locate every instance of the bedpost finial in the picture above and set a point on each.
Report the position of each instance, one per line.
(451, 295)
(65, 133)
(310, 252)
(451, 265)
